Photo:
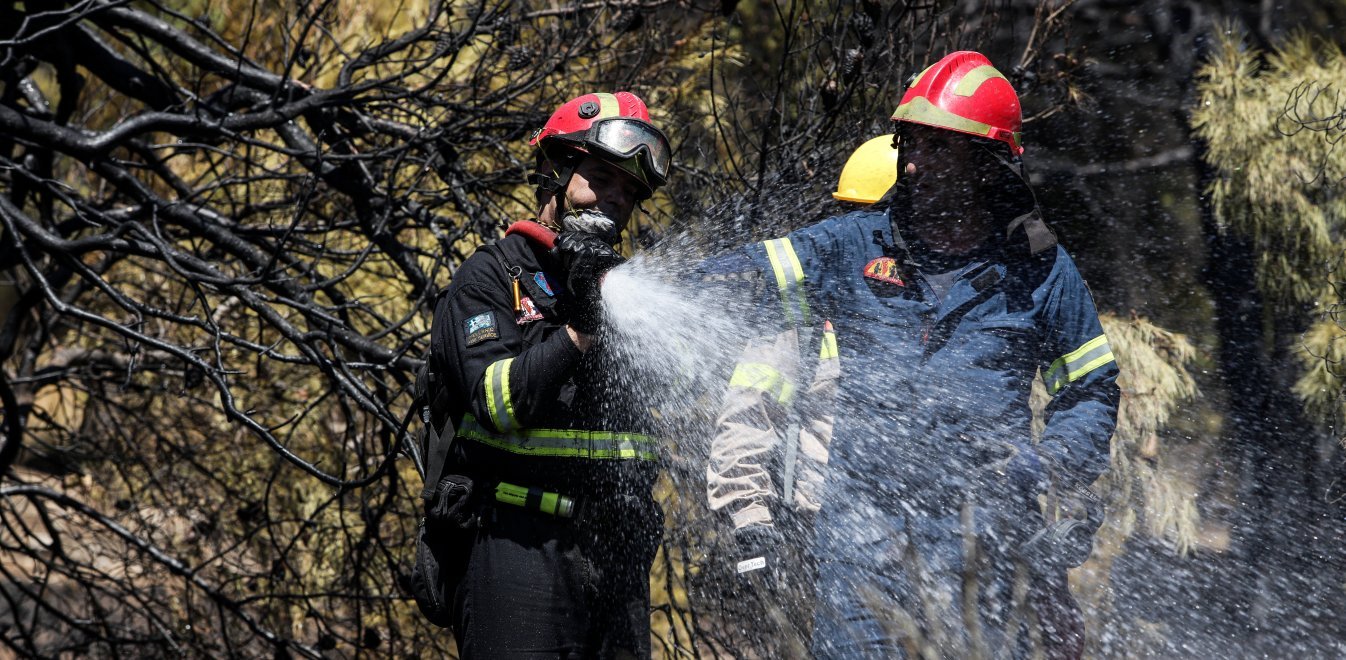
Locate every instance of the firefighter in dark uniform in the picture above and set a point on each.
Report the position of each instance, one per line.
(553, 458)
(947, 307)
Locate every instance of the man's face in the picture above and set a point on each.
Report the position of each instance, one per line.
(597, 184)
(947, 170)
(950, 176)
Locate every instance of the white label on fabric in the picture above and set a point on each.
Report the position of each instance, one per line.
(751, 564)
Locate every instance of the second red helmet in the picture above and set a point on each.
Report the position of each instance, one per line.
(963, 92)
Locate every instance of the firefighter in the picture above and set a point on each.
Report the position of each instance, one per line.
(769, 453)
(947, 306)
(869, 172)
(759, 402)
(547, 481)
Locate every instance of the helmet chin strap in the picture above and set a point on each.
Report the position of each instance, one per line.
(556, 184)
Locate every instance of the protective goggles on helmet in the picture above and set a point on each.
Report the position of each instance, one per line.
(625, 138)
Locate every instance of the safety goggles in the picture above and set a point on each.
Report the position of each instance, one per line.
(626, 138)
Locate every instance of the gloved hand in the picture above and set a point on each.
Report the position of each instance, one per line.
(585, 258)
(1069, 541)
(757, 561)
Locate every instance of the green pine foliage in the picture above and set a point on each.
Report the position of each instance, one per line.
(1155, 382)
(1274, 124)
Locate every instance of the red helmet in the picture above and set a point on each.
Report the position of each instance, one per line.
(964, 93)
(614, 127)
(577, 114)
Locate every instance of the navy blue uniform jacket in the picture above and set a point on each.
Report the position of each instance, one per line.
(933, 404)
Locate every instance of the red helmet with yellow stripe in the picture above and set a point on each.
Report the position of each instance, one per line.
(963, 92)
(615, 127)
(577, 114)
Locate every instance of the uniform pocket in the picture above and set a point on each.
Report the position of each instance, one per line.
(443, 542)
(1000, 344)
(434, 576)
(1011, 329)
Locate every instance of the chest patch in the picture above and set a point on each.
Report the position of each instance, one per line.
(883, 278)
(541, 279)
(528, 311)
(884, 269)
(481, 327)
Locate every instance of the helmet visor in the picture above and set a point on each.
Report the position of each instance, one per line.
(624, 138)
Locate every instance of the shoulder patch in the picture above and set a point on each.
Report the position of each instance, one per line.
(481, 327)
(884, 269)
(542, 283)
(528, 311)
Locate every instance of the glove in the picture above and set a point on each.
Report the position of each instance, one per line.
(1068, 542)
(586, 258)
(757, 560)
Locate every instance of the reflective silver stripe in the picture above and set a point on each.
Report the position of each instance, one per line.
(1078, 363)
(789, 276)
(564, 443)
(791, 458)
(498, 402)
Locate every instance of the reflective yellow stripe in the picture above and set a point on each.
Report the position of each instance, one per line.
(922, 111)
(789, 276)
(564, 443)
(607, 106)
(498, 402)
(764, 377)
(1078, 363)
(829, 348)
(972, 80)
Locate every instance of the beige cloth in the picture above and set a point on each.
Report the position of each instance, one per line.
(749, 452)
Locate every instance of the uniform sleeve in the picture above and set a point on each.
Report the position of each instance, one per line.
(755, 421)
(750, 427)
(1080, 374)
(483, 357)
(790, 265)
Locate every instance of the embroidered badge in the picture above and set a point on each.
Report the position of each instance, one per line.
(541, 279)
(884, 269)
(479, 328)
(527, 311)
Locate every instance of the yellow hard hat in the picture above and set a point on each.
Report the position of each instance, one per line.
(869, 172)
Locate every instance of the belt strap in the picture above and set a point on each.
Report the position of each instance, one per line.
(433, 397)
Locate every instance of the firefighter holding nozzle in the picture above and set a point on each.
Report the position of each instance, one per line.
(540, 524)
(944, 307)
